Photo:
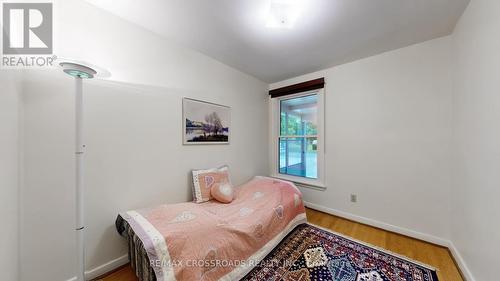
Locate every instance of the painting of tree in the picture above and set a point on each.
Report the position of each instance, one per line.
(205, 122)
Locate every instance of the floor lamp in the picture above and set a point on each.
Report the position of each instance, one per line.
(79, 72)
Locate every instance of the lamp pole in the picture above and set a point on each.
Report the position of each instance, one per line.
(79, 72)
(79, 158)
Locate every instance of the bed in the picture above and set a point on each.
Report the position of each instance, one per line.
(211, 240)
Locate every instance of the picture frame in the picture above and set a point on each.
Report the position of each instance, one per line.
(205, 122)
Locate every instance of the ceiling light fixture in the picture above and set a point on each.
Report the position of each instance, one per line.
(283, 13)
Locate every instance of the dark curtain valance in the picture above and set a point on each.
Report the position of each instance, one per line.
(298, 88)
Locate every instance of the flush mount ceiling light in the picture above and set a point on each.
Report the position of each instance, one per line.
(283, 13)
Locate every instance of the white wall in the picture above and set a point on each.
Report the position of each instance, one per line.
(9, 102)
(388, 132)
(476, 192)
(135, 157)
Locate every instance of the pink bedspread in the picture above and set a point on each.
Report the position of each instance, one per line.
(215, 241)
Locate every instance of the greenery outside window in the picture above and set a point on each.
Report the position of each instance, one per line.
(298, 138)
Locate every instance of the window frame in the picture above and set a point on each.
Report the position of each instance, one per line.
(275, 109)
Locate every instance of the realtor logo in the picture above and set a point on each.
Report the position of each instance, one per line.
(27, 28)
(27, 40)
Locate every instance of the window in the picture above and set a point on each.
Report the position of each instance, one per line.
(298, 137)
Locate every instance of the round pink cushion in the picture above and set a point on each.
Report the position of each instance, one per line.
(222, 192)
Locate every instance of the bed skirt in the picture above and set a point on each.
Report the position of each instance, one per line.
(137, 255)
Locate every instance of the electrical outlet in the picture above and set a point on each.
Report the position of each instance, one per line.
(354, 198)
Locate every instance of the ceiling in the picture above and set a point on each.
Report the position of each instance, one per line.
(327, 33)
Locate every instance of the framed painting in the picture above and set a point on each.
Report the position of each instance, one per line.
(205, 122)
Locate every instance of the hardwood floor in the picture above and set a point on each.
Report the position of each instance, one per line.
(436, 256)
(433, 255)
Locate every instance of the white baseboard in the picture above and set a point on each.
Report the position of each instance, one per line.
(403, 231)
(103, 269)
(400, 230)
(467, 274)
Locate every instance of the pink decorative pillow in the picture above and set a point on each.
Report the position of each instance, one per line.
(223, 192)
(205, 180)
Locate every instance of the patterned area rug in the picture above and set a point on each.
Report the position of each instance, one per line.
(311, 253)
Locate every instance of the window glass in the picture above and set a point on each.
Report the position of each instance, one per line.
(299, 116)
(298, 142)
